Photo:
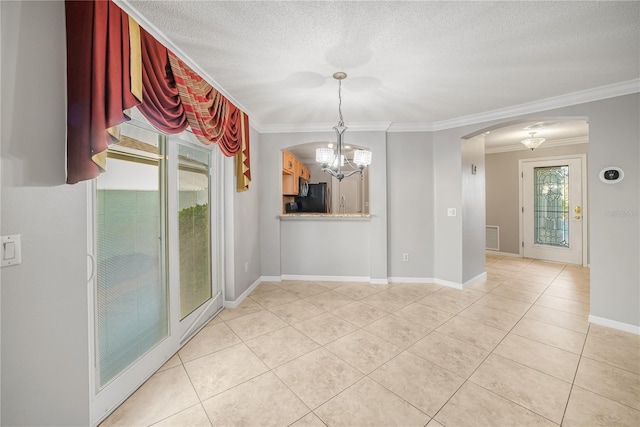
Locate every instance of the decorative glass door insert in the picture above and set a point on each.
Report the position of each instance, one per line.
(552, 214)
(551, 206)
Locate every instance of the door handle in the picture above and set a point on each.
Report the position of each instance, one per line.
(577, 216)
(577, 209)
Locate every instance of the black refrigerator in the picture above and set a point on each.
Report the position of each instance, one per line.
(316, 200)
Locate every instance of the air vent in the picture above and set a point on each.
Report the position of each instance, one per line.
(493, 238)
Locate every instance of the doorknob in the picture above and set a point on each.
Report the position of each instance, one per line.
(577, 216)
(577, 209)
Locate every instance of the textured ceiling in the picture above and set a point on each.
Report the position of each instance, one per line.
(408, 62)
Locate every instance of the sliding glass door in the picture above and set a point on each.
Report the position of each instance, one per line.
(193, 252)
(155, 276)
(194, 229)
(132, 296)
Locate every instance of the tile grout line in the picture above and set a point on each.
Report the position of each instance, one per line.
(192, 385)
(362, 328)
(359, 328)
(573, 382)
(483, 361)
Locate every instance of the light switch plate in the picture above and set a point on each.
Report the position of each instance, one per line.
(451, 211)
(10, 250)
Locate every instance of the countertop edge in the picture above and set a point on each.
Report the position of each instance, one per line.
(324, 217)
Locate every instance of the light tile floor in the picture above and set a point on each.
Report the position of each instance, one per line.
(515, 349)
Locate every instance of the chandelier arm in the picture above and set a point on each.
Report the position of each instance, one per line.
(346, 159)
(334, 168)
(330, 171)
(348, 174)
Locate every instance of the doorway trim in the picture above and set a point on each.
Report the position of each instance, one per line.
(585, 202)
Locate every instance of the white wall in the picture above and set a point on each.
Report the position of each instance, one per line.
(45, 372)
(1, 61)
(246, 235)
(45, 366)
(503, 187)
(271, 200)
(447, 168)
(344, 249)
(614, 137)
(473, 209)
(410, 186)
(614, 140)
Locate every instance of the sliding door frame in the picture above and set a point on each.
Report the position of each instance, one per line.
(103, 401)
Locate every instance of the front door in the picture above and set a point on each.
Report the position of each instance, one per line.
(552, 209)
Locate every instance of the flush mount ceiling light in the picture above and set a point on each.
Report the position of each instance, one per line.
(326, 155)
(532, 142)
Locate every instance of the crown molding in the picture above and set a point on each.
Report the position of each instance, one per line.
(411, 127)
(550, 143)
(574, 98)
(325, 127)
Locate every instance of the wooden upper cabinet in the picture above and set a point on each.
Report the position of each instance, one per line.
(292, 170)
(290, 185)
(288, 162)
(300, 167)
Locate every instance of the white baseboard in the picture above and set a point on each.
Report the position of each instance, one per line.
(509, 254)
(427, 280)
(479, 278)
(626, 327)
(236, 302)
(326, 278)
(448, 284)
(412, 280)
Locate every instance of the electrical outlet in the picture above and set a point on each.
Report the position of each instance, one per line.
(451, 211)
(405, 257)
(246, 267)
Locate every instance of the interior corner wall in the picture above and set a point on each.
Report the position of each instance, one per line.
(502, 191)
(45, 351)
(410, 188)
(473, 209)
(0, 219)
(270, 176)
(614, 135)
(270, 198)
(614, 140)
(447, 166)
(246, 210)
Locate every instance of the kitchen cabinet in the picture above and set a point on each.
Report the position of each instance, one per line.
(290, 185)
(292, 171)
(306, 173)
(288, 162)
(299, 168)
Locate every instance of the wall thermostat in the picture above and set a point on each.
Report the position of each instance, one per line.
(611, 175)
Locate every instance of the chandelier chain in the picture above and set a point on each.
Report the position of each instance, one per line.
(341, 122)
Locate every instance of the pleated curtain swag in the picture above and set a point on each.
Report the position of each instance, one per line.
(114, 65)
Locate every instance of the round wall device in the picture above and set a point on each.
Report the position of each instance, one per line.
(611, 175)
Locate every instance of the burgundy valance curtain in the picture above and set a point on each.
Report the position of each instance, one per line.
(162, 105)
(98, 84)
(113, 65)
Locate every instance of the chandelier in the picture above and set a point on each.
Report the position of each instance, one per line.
(332, 163)
(532, 142)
